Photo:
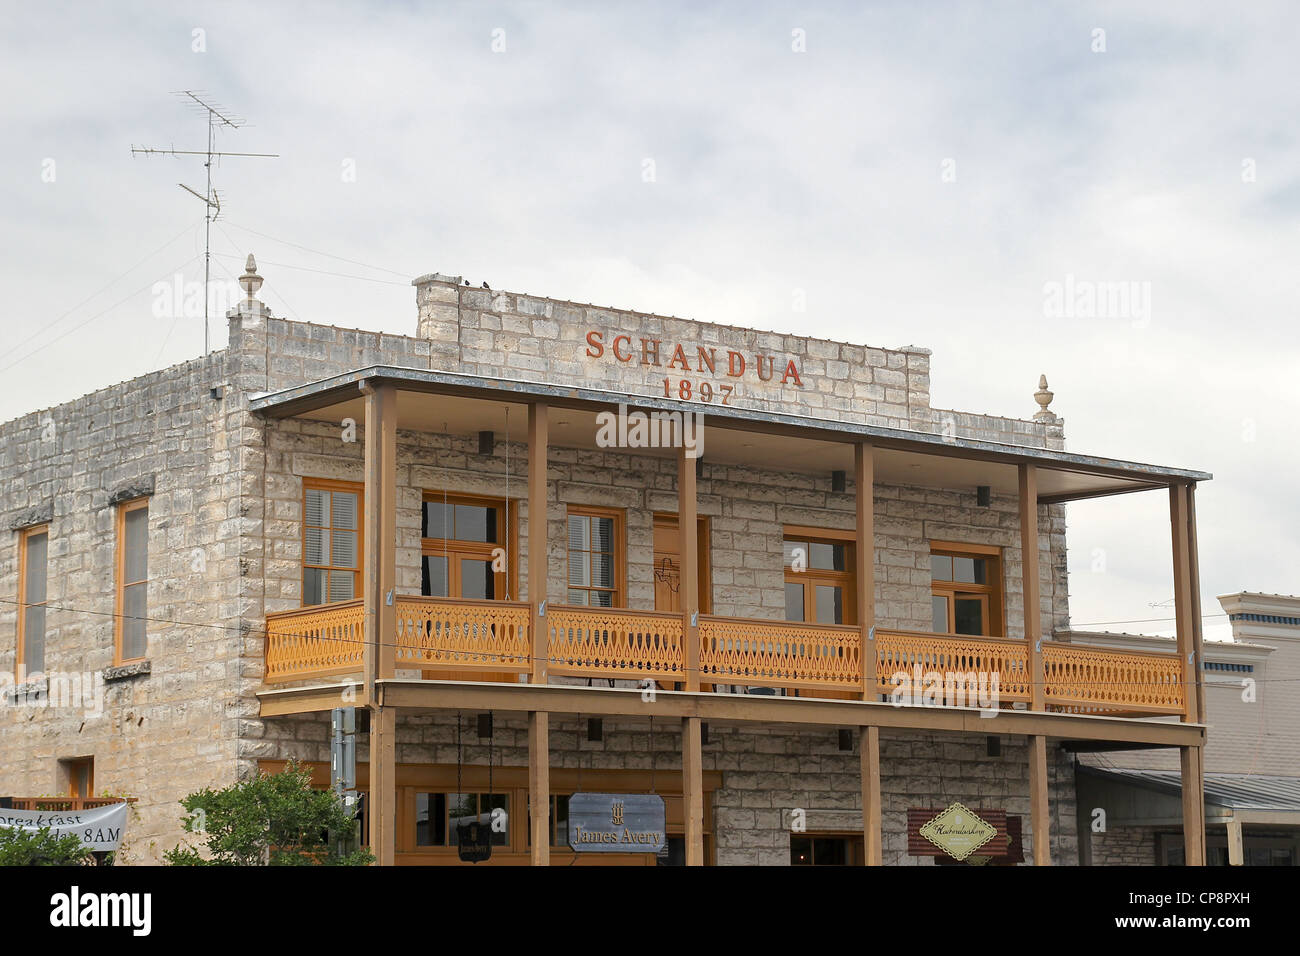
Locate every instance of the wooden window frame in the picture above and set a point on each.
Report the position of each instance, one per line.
(619, 599)
(21, 653)
(856, 850)
(993, 593)
(125, 508)
(811, 577)
(330, 484)
(507, 527)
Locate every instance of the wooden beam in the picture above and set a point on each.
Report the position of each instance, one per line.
(693, 790)
(1236, 844)
(1193, 806)
(380, 582)
(871, 837)
(1180, 525)
(1029, 580)
(1198, 635)
(688, 548)
(864, 562)
(538, 564)
(1039, 815)
(539, 786)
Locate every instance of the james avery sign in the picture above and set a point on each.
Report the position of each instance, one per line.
(98, 829)
(616, 823)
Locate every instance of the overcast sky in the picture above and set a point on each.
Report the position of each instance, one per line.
(926, 174)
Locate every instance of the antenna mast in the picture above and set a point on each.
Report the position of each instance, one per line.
(216, 117)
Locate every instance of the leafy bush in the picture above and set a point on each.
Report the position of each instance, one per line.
(269, 820)
(40, 848)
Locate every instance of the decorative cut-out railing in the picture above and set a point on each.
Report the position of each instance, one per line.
(315, 641)
(454, 634)
(1088, 679)
(737, 650)
(919, 655)
(603, 642)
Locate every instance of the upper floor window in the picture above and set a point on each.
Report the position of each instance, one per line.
(819, 586)
(463, 547)
(965, 589)
(331, 541)
(33, 552)
(596, 557)
(132, 579)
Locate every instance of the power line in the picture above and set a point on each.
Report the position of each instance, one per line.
(323, 272)
(1148, 620)
(317, 252)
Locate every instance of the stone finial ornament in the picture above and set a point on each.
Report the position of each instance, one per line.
(1044, 398)
(250, 281)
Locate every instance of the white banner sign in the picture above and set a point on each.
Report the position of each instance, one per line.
(97, 829)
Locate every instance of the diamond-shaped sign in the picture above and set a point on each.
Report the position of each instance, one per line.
(958, 831)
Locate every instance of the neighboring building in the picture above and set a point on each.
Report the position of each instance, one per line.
(317, 518)
(1252, 756)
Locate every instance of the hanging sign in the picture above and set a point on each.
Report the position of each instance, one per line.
(617, 823)
(98, 829)
(958, 831)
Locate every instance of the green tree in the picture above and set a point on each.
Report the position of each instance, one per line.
(41, 847)
(269, 820)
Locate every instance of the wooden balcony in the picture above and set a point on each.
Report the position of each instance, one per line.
(475, 638)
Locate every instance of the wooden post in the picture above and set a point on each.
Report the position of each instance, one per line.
(1180, 526)
(1193, 806)
(539, 786)
(1198, 637)
(693, 790)
(1039, 816)
(1029, 582)
(864, 567)
(380, 653)
(688, 547)
(871, 837)
(538, 565)
(1236, 844)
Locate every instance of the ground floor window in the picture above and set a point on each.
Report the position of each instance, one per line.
(817, 849)
(1257, 850)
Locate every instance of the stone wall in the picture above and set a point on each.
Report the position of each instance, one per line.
(1124, 846)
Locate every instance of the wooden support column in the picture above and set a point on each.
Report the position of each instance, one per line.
(538, 564)
(1193, 806)
(871, 837)
(1198, 636)
(379, 585)
(1236, 844)
(864, 566)
(1029, 582)
(693, 789)
(1039, 814)
(539, 786)
(1180, 525)
(688, 548)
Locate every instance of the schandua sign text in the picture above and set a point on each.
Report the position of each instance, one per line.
(617, 823)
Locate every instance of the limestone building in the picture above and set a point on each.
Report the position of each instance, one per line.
(633, 540)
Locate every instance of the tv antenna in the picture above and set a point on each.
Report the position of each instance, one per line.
(217, 117)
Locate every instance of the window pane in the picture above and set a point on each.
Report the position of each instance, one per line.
(316, 507)
(579, 569)
(475, 523)
(437, 520)
(459, 806)
(939, 614)
(602, 570)
(430, 819)
(133, 624)
(602, 534)
(577, 597)
(579, 533)
(433, 582)
(793, 601)
(343, 549)
(830, 852)
(969, 613)
(560, 819)
(800, 851)
(791, 547)
(488, 804)
(34, 639)
(316, 544)
(826, 557)
(830, 604)
(477, 580)
(963, 570)
(313, 586)
(37, 555)
(940, 567)
(136, 558)
(602, 598)
(342, 585)
(344, 506)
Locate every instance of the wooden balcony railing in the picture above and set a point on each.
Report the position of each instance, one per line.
(1088, 679)
(474, 636)
(438, 634)
(604, 642)
(67, 804)
(315, 641)
(736, 650)
(906, 651)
